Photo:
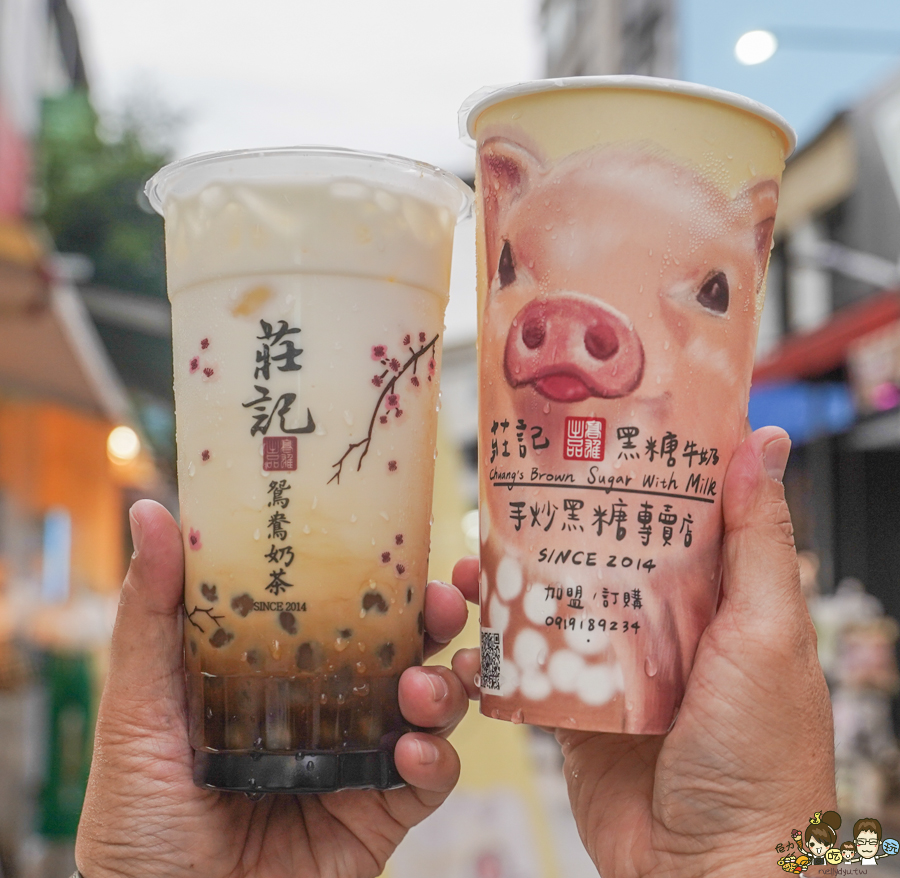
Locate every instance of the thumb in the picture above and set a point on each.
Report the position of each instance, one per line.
(145, 683)
(760, 579)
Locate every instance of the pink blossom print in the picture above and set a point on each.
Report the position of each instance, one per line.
(387, 380)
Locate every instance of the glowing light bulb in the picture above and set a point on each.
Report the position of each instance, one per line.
(123, 445)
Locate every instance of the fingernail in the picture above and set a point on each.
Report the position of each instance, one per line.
(427, 752)
(136, 533)
(439, 689)
(775, 457)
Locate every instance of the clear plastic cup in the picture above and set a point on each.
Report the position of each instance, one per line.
(308, 288)
(624, 229)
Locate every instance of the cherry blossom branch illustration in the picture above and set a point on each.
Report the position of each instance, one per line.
(388, 388)
(207, 611)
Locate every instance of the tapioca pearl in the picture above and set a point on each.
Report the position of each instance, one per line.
(288, 621)
(509, 578)
(374, 600)
(536, 605)
(253, 657)
(586, 642)
(242, 604)
(220, 637)
(534, 685)
(530, 649)
(386, 653)
(564, 668)
(498, 614)
(597, 684)
(484, 519)
(309, 656)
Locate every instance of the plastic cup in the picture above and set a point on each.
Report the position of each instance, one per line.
(308, 288)
(624, 229)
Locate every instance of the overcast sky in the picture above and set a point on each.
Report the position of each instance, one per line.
(384, 76)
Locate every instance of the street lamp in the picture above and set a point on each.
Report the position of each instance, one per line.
(755, 46)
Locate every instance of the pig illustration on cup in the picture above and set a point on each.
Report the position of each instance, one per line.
(623, 288)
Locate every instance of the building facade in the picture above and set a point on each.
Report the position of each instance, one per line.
(599, 37)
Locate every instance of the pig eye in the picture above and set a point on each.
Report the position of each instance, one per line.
(506, 270)
(714, 293)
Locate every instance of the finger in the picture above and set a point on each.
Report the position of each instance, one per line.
(465, 578)
(445, 615)
(433, 698)
(146, 653)
(466, 665)
(428, 763)
(761, 578)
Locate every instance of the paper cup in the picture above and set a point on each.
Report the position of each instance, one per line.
(624, 230)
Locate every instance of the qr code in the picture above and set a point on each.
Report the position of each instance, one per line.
(491, 655)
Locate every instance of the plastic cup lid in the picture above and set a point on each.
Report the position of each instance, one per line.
(477, 102)
(316, 164)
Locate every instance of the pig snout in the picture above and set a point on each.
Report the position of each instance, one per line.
(570, 347)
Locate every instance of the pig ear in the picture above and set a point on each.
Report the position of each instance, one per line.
(763, 198)
(506, 172)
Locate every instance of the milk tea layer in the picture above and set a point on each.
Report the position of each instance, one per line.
(307, 327)
(623, 243)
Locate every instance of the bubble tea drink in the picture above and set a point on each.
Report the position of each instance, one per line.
(624, 230)
(308, 289)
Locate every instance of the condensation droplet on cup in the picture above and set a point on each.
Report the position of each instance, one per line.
(650, 667)
(306, 529)
(477, 680)
(546, 408)
(348, 418)
(518, 717)
(353, 519)
(384, 515)
(191, 468)
(256, 534)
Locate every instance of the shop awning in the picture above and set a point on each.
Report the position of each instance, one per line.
(810, 354)
(806, 410)
(49, 347)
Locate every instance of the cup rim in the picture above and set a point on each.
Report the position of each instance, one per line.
(477, 102)
(160, 184)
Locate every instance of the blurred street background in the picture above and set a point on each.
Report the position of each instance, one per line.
(96, 95)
